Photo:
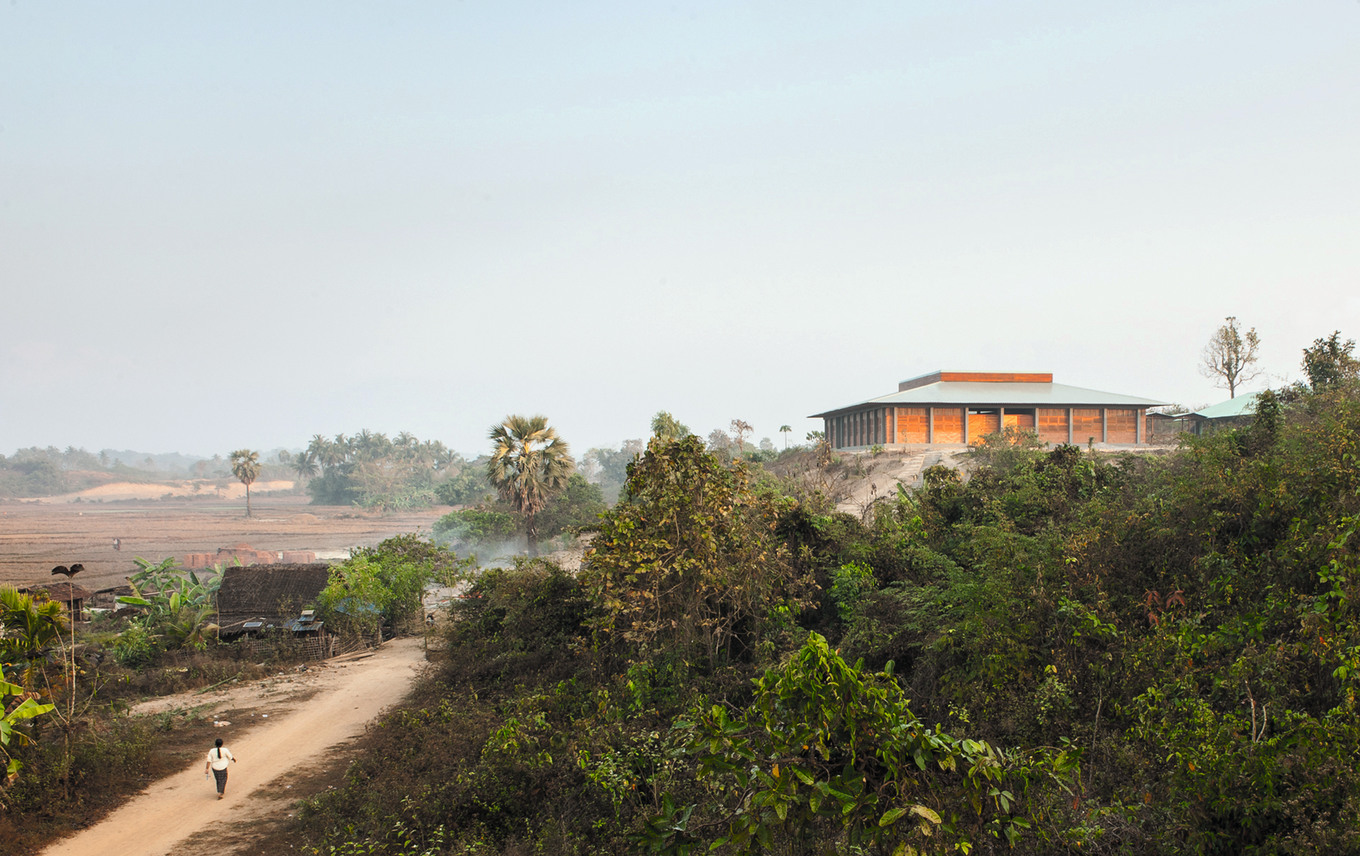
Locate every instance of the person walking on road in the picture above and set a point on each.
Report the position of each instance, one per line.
(218, 758)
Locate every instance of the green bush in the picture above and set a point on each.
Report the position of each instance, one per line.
(384, 585)
(473, 526)
(136, 646)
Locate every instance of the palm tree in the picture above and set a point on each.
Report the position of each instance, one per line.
(316, 450)
(32, 627)
(334, 453)
(529, 464)
(305, 464)
(785, 429)
(245, 465)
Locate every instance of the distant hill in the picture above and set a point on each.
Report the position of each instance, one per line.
(163, 462)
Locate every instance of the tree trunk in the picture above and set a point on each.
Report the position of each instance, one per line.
(247, 499)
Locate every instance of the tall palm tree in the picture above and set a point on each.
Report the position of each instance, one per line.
(529, 464)
(316, 449)
(335, 452)
(785, 429)
(305, 464)
(245, 465)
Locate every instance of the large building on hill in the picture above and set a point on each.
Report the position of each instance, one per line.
(959, 408)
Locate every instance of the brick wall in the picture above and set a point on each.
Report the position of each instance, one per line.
(949, 425)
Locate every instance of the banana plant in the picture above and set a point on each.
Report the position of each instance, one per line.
(10, 717)
(178, 604)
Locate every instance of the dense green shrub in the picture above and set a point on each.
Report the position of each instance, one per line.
(475, 526)
(135, 646)
(384, 585)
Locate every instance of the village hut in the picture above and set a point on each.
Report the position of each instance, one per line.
(70, 594)
(1233, 413)
(256, 598)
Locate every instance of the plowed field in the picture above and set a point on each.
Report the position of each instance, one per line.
(35, 536)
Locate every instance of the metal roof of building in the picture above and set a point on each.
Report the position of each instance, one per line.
(1005, 394)
(1242, 405)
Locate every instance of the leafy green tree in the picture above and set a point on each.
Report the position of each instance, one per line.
(371, 470)
(608, 468)
(1330, 361)
(245, 465)
(667, 427)
(1230, 356)
(474, 527)
(828, 759)
(689, 559)
(578, 506)
(720, 443)
(466, 487)
(529, 464)
(384, 585)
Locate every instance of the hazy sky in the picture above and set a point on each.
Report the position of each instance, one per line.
(242, 224)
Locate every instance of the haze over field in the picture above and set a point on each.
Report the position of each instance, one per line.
(238, 225)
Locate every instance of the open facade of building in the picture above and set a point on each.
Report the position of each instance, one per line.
(960, 408)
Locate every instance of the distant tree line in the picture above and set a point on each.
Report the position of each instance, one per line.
(372, 470)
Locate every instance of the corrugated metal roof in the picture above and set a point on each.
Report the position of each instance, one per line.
(1242, 405)
(1003, 395)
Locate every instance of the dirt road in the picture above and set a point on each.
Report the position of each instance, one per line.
(306, 715)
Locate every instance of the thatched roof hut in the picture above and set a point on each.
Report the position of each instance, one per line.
(70, 594)
(272, 594)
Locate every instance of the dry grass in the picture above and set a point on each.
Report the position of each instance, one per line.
(36, 536)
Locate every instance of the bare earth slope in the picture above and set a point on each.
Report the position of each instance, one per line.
(307, 716)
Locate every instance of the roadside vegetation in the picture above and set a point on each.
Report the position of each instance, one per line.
(1062, 652)
(70, 747)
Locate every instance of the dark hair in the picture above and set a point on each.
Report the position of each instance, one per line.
(218, 743)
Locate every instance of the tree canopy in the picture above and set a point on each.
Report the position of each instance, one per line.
(1330, 361)
(1230, 356)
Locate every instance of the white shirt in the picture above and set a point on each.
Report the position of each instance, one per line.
(220, 758)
